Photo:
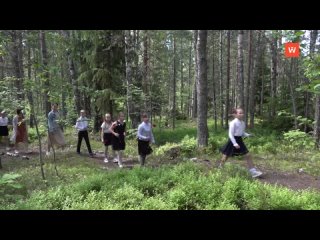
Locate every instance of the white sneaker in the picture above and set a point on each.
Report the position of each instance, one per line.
(115, 160)
(255, 173)
(120, 166)
(105, 160)
(16, 152)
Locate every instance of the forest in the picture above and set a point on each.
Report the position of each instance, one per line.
(188, 82)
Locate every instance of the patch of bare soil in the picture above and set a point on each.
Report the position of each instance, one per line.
(295, 181)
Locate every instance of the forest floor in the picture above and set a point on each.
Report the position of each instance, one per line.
(293, 169)
(298, 180)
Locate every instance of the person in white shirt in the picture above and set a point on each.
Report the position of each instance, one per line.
(4, 131)
(106, 136)
(235, 146)
(145, 137)
(82, 127)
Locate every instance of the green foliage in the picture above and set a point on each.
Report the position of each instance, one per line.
(186, 185)
(32, 133)
(161, 150)
(283, 122)
(9, 180)
(164, 136)
(298, 140)
(8, 95)
(181, 116)
(188, 145)
(128, 197)
(215, 142)
(183, 186)
(8, 185)
(304, 121)
(312, 72)
(131, 133)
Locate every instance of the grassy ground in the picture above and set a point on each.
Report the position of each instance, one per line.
(170, 181)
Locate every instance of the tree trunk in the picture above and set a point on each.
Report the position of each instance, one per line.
(174, 83)
(194, 102)
(293, 99)
(234, 84)
(313, 40)
(214, 99)
(257, 64)
(221, 81)
(146, 76)
(189, 80)
(247, 95)
(317, 122)
(228, 78)
(240, 77)
(44, 58)
(274, 74)
(17, 61)
(63, 95)
(306, 81)
(181, 81)
(202, 89)
(262, 85)
(316, 131)
(129, 58)
(72, 74)
(29, 92)
(1, 67)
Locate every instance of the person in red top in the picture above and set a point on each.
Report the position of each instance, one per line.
(20, 134)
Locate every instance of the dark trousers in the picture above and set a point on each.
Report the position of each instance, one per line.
(83, 134)
(142, 159)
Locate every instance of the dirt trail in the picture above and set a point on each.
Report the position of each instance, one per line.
(295, 181)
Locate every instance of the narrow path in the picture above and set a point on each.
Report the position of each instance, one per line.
(294, 181)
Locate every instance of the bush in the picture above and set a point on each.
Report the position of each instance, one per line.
(32, 133)
(183, 186)
(167, 149)
(232, 192)
(283, 122)
(298, 139)
(8, 185)
(157, 203)
(188, 145)
(128, 197)
(216, 142)
(45, 200)
(181, 116)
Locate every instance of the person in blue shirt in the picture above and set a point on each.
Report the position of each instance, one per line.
(55, 134)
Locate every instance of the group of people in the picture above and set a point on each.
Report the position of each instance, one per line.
(113, 134)
(20, 131)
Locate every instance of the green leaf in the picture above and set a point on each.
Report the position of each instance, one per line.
(299, 33)
(317, 87)
(8, 177)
